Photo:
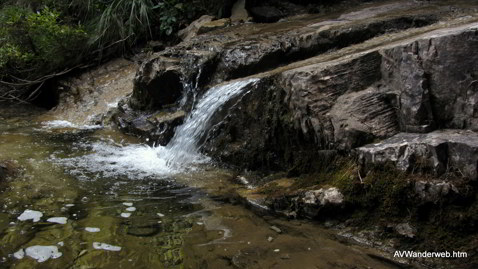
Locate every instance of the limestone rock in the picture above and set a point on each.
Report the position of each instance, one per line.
(355, 86)
(157, 127)
(360, 117)
(214, 25)
(433, 191)
(346, 103)
(193, 28)
(405, 229)
(314, 201)
(439, 151)
(322, 197)
(241, 50)
(86, 98)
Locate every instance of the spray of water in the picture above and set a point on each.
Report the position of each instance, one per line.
(183, 149)
(181, 154)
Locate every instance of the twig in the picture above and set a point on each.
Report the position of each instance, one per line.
(360, 177)
(34, 92)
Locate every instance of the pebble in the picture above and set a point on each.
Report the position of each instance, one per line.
(43, 253)
(92, 229)
(19, 254)
(125, 215)
(59, 220)
(30, 214)
(276, 250)
(276, 229)
(103, 246)
(285, 257)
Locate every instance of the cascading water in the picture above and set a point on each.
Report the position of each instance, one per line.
(140, 161)
(183, 149)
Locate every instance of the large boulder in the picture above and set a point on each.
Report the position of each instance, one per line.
(326, 84)
(242, 50)
(193, 28)
(346, 102)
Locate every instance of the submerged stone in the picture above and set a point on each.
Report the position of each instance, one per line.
(104, 246)
(59, 220)
(92, 229)
(125, 215)
(30, 215)
(19, 254)
(43, 253)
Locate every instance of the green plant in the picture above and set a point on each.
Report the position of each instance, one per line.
(122, 22)
(33, 45)
(54, 43)
(171, 11)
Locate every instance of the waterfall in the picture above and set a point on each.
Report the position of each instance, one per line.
(137, 161)
(183, 148)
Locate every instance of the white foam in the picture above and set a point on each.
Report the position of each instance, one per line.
(160, 215)
(125, 215)
(58, 124)
(112, 160)
(92, 229)
(43, 253)
(30, 214)
(128, 204)
(70, 205)
(97, 245)
(59, 220)
(131, 209)
(141, 161)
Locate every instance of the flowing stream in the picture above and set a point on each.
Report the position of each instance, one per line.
(91, 197)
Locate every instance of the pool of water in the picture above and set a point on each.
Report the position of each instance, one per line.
(91, 197)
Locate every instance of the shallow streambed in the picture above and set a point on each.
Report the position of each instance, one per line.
(89, 197)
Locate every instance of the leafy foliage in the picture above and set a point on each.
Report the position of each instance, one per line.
(171, 11)
(122, 21)
(42, 38)
(33, 44)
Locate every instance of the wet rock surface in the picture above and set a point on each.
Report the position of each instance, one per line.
(7, 169)
(440, 151)
(193, 28)
(207, 59)
(339, 104)
(243, 49)
(155, 127)
(372, 85)
(86, 98)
